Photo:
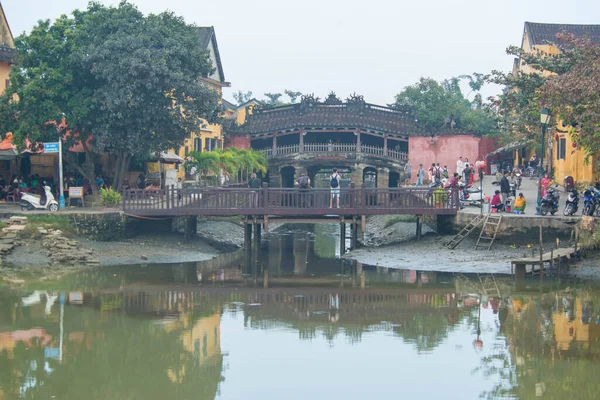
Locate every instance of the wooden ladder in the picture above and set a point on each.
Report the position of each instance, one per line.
(489, 231)
(489, 286)
(465, 231)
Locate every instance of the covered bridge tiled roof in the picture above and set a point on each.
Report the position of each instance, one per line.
(540, 33)
(330, 114)
(7, 54)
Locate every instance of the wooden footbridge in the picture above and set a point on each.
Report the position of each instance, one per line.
(286, 202)
(260, 205)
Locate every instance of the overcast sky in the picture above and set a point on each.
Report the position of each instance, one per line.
(373, 48)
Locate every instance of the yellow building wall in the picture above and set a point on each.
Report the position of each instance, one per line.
(4, 71)
(574, 164)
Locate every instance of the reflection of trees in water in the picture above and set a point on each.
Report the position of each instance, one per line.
(425, 330)
(114, 357)
(552, 348)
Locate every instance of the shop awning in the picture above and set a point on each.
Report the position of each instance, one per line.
(167, 158)
(510, 147)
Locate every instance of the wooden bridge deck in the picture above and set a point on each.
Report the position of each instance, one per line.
(287, 202)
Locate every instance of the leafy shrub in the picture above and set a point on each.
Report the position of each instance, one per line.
(109, 197)
(439, 197)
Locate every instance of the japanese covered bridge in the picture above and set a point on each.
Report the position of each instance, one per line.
(368, 144)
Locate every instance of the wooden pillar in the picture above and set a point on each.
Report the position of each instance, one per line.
(257, 235)
(354, 228)
(247, 235)
(385, 147)
(357, 141)
(342, 237)
(419, 226)
(301, 142)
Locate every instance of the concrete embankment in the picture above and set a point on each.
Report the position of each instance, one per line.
(517, 225)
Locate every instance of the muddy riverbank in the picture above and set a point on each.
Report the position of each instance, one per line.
(394, 246)
(213, 238)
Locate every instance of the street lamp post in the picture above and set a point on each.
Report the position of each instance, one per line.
(545, 118)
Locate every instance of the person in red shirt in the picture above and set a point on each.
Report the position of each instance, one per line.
(497, 201)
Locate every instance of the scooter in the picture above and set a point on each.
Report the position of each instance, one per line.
(470, 196)
(550, 201)
(30, 201)
(572, 204)
(589, 201)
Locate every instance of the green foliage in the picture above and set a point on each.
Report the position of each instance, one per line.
(442, 105)
(230, 161)
(131, 82)
(109, 197)
(399, 218)
(241, 97)
(517, 109)
(574, 94)
(439, 197)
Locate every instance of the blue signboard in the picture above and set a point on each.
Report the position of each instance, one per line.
(51, 147)
(52, 352)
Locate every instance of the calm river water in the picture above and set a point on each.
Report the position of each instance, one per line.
(295, 322)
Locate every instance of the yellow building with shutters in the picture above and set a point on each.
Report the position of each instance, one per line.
(7, 50)
(563, 157)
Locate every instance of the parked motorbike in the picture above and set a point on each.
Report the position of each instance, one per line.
(572, 204)
(550, 201)
(590, 200)
(470, 196)
(46, 201)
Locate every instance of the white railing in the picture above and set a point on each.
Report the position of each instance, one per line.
(377, 151)
(399, 155)
(334, 148)
(329, 147)
(291, 149)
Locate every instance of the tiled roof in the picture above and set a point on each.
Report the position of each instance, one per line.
(540, 33)
(227, 105)
(206, 34)
(7, 54)
(316, 115)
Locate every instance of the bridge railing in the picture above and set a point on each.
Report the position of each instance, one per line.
(334, 148)
(289, 201)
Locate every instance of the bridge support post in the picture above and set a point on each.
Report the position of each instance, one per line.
(247, 235)
(257, 234)
(419, 226)
(342, 237)
(354, 228)
(190, 228)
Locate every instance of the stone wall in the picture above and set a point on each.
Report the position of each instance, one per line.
(521, 226)
(102, 227)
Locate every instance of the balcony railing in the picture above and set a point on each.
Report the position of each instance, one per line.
(340, 148)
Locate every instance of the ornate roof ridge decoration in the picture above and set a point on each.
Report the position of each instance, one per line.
(332, 113)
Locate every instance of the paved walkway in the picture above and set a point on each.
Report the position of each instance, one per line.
(529, 189)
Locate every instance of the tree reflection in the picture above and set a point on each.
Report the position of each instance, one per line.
(108, 355)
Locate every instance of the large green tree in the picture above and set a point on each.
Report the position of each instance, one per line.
(574, 95)
(517, 109)
(112, 80)
(442, 105)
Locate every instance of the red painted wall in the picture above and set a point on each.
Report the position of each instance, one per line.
(238, 141)
(446, 150)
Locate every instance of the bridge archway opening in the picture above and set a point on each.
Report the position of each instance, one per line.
(322, 176)
(288, 176)
(370, 177)
(394, 179)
